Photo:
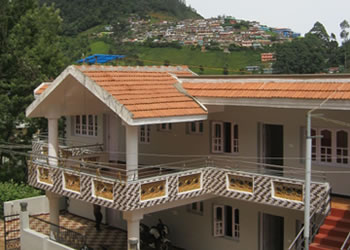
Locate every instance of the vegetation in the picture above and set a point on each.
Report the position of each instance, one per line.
(30, 53)
(13, 191)
(80, 15)
(209, 62)
(314, 53)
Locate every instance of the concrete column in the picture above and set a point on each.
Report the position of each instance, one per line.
(24, 220)
(53, 140)
(132, 144)
(54, 212)
(133, 219)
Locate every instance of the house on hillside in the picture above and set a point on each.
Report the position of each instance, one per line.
(219, 159)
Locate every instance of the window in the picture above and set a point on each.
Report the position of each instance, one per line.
(86, 125)
(225, 137)
(342, 147)
(196, 207)
(226, 222)
(145, 134)
(165, 127)
(326, 146)
(195, 127)
(332, 147)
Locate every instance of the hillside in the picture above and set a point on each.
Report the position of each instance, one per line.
(211, 62)
(80, 15)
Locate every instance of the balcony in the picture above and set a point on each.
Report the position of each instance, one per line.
(81, 173)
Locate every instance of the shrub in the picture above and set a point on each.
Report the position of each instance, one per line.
(13, 191)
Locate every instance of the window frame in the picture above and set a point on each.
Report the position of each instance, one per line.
(334, 156)
(165, 127)
(199, 208)
(219, 226)
(146, 137)
(197, 128)
(217, 143)
(89, 126)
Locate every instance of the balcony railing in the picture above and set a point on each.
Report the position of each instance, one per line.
(86, 176)
(58, 233)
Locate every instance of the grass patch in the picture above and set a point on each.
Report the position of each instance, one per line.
(213, 62)
(99, 47)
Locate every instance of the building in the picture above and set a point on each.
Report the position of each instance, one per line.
(267, 57)
(219, 159)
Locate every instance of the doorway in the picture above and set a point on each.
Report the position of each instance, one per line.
(272, 232)
(273, 148)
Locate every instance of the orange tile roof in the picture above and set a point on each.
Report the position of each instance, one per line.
(145, 93)
(282, 89)
(42, 88)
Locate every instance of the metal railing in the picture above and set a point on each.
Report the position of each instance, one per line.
(58, 233)
(92, 165)
(316, 220)
(346, 243)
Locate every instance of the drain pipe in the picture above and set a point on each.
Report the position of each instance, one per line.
(307, 182)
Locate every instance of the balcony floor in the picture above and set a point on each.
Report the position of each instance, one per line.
(107, 238)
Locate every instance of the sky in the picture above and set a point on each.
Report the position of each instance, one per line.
(299, 15)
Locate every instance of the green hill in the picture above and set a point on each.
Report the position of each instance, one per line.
(80, 15)
(211, 62)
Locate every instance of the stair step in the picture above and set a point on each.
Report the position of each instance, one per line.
(332, 230)
(337, 221)
(331, 241)
(340, 213)
(316, 246)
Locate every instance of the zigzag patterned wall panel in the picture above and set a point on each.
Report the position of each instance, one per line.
(127, 196)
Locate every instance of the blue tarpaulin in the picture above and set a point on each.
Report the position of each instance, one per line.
(100, 58)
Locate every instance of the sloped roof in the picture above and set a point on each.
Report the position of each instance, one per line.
(278, 88)
(145, 93)
(139, 95)
(40, 89)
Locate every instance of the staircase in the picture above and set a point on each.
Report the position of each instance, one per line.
(334, 231)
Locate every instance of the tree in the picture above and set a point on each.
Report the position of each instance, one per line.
(301, 56)
(320, 31)
(30, 54)
(344, 34)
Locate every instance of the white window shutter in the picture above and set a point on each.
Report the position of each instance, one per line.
(217, 137)
(219, 220)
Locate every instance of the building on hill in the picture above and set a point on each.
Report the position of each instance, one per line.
(219, 159)
(267, 57)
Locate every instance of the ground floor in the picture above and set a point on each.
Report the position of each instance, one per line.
(216, 223)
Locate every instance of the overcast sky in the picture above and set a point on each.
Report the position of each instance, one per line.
(299, 15)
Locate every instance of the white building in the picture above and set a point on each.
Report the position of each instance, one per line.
(219, 159)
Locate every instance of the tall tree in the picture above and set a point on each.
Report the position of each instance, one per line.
(344, 34)
(30, 54)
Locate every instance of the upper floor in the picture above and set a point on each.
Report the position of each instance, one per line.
(136, 137)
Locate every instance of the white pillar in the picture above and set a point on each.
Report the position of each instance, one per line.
(54, 211)
(24, 221)
(133, 220)
(131, 151)
(53, 141)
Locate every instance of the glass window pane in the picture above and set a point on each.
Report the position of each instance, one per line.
(326, 140)
(201, 127)
(228, 221)
(342, 139)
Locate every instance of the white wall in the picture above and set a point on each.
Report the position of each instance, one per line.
(178, 142)
(31, 240)
(36, 205)
(195, 232)
(84, 209)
